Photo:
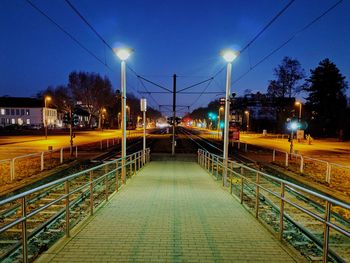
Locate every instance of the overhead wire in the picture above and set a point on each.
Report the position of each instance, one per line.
(288, 40)
(67, 33)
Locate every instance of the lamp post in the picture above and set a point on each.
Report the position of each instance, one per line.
(47, 98)
(219, 121)
(298, 103)
(247, 114)
(229, 56)
(143, 104)
(123, 54)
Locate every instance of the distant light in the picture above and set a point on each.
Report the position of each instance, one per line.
(297, 103)
(222, 124)
(294, 125)
(246, 112)
(123, 53)
(48, 98)
(229, 55)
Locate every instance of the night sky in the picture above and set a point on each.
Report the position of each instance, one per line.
(182, 37)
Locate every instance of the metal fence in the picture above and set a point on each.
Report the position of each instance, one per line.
(59, 205)
(29, 164)
(254, 187)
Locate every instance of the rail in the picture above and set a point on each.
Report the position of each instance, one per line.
(75, 188)
(214, 164)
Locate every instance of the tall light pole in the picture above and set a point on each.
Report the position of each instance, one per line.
(219, 121)
(47, 98)
(247, 114)
(143, 104)
(229, 56)
(123, 54)
(298, 103)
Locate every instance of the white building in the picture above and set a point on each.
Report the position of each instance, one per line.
(26, 111)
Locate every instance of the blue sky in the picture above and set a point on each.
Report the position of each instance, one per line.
(182, 37)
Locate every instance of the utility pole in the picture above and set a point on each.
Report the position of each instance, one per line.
(174, 114)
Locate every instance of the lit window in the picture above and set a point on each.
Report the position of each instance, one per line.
(20, 121)
(27, 112)
(28, 121)
(13, 121)
(2, 111)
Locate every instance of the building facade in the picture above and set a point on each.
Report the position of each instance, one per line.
(29, 112)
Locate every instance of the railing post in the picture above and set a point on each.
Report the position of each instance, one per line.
(328, 173)
(66, 188)
(61, 155)
(76, 151)
(212, 164)
(274, 155)
(42, 161)
(239, 145)
(326, 232)
(301, 164)
(116, 176)
(257, 195)
(12, 169)
(107, 143)
(281, 211)
(242, 189)
(106, 182)
(286, 159)
(135, 162)
(246, 147)
(91, 194)
(101, 145)
(24, 231)
(231, 185)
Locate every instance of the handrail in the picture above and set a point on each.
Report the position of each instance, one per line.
(135, 161)
(204, 158)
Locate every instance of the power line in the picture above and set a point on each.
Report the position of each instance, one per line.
(67, 33)
(288, 40)
(88, 24)
(267, 26)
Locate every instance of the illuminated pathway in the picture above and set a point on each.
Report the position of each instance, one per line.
(175, 212)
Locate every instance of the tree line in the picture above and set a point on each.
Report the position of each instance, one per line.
(94, 94)
(325, 111)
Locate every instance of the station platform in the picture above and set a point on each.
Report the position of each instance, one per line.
(171, 211)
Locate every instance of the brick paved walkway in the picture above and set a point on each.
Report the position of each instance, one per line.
(174, 212)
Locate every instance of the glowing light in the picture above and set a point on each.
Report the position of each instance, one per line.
(48, 98)
(123, 53)
(246, 112)
(229, 55)
(294, 125)
(297, 103)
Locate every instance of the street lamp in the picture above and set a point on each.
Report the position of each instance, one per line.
(247, 113)
(46, 99)
(219, 121)
(229, 55)
(143, 106)
(298, 103)
(123, 54)
(103, 117)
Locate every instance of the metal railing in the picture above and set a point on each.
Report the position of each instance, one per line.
(20, 209)
(214, 165)
(29, 164)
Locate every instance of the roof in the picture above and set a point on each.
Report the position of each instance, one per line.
(21, 102)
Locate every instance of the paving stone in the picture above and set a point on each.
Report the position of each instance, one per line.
(173, 212)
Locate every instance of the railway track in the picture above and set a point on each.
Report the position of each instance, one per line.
(302, 232)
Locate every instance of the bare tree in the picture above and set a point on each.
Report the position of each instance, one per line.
(288, 74)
